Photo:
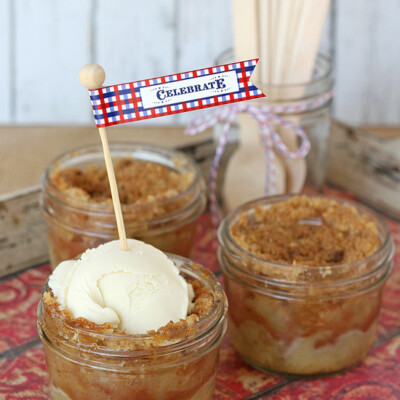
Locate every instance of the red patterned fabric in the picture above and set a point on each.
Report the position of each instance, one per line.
(23, 371)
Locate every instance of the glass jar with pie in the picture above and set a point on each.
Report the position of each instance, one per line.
(95, 318)
(304, 276)
(161, 190)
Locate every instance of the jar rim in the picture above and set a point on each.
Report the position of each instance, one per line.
(291, 290)
(114, 146)
(202, 328)
(225, 238)
(190, 212)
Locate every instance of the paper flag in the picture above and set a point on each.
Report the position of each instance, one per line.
(173, 94)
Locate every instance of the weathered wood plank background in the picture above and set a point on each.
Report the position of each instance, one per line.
(43, 43)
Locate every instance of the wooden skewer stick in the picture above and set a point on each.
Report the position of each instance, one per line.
(92, 76)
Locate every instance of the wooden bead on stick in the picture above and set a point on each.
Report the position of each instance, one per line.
(92, 76)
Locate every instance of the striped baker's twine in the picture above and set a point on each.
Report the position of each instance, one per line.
(266, 117)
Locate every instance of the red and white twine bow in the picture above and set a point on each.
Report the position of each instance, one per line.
(266, 117)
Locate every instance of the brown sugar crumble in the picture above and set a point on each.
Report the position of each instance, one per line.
(307, 231)
(63, 324)
(138, 182)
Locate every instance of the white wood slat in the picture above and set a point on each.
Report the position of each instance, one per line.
(368, 61)
(137, 39)
(134, 40)
(204, 32)
(5, 60)
(51, 44)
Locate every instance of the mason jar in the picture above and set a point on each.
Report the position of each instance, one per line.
(84, 364)
(75, 225)
(304, 104)
(302, 320)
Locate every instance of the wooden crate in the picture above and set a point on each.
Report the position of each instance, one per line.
(366, 161)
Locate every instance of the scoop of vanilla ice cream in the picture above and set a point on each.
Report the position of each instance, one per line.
(135, 290)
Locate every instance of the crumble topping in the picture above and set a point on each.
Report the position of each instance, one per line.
(138, 182)
(60, 323)
(307, 231)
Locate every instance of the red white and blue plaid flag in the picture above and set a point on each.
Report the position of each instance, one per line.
(173, 94)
